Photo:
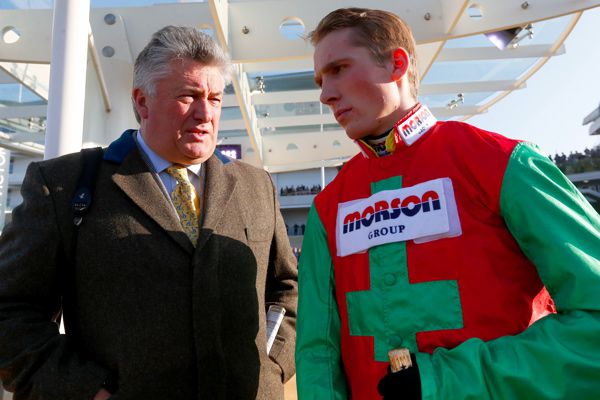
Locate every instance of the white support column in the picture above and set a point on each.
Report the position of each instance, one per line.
(322, 177)
(68, 64)
(4, 172)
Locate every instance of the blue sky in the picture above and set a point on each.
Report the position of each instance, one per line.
(550, 110)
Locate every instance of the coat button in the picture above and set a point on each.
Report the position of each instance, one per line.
(389, 279)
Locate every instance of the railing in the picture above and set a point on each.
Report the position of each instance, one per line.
(301, 201)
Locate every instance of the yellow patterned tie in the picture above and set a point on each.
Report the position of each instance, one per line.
(186, 201)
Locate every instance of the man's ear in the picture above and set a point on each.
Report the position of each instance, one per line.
(139, 101)
(400, 60)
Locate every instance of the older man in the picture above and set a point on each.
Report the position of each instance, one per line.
(441, 243)
(166, 282)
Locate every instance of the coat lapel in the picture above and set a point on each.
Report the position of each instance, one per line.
(219, 188)
(140, 185)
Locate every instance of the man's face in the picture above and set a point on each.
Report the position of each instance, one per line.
(180, 122)
(362, 94)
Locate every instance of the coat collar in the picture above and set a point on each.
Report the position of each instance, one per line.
(220, 184)
(120, 148)
(135, 179)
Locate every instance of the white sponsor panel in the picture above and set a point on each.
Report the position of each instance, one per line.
(423, 212)
(453, 220)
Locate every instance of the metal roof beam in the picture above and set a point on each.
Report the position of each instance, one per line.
(425, 53)
(95, 57)
(493, 53)
(499, 15)
(264, 42)
(30, 149)
(239, 79)
(303, 96)
(430, 20)
(27, 137)
(35, 27)
(470, 87)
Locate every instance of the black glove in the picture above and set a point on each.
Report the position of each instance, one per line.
(405, 384)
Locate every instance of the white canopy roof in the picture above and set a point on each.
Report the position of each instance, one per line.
(272, 107)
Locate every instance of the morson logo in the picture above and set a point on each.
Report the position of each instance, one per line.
(415, 124)
(383, 210)
(423, 212)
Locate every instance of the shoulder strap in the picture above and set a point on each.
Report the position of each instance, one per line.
(82, 199)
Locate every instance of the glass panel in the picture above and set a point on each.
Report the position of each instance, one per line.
(469, 41)
(469, 99)
(283, 82)
(25, 4)
(231, 113)
(477, 71)
(547, 32)
(15, 94)
(544, 32)
(290, 129)
(290, 109)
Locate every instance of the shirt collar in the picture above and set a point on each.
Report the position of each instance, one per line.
(405, 132)
(158, 163)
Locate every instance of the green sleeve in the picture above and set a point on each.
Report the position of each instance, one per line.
(318, 363)
(557, 357)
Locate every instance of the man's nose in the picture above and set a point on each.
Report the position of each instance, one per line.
(202, 110)
(329, 94)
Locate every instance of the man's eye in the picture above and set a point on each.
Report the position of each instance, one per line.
(337, 69)
(186, 98)
(215, 100)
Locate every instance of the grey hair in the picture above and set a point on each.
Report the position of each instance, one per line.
(176, 42)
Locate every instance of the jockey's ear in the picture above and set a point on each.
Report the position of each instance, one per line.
(400, 62)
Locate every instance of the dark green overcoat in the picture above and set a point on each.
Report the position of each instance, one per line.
(168, 320)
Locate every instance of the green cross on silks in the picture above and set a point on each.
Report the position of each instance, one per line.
(393, 310)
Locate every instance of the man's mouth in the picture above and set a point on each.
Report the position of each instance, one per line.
(198, 131)
(198, 135)
(341, 113)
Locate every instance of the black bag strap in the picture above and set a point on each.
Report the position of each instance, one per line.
(82, 199)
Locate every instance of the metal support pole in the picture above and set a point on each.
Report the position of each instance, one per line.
(66, 95)
(322, 177)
